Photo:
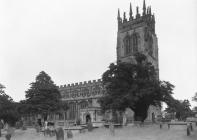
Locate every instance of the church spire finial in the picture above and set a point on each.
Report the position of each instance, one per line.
(137, 12)
(150, 11)
(130, 13)
(118, 17)
(147, 10)
(144, 8)
(124, 17)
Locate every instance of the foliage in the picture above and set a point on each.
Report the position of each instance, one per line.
(7, 107)
(195, 97)
(42, 97)
(181, 108)
(195, 109)
(135, 86)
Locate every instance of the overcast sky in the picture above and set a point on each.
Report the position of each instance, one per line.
(75, 41)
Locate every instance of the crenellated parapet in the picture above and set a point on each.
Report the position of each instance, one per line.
(98, 81)
(146, 17)
(82, 90)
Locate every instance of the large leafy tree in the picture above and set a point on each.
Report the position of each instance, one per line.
(42, 97)
(8, 110)
(181, 108)
(194, 98)
(134, 85)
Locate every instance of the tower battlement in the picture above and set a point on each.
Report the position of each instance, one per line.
(146, 17)
(81, 83)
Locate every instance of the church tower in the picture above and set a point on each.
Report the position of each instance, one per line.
(137, 34)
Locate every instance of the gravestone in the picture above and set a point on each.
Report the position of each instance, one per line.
(69, 134)
(160, 125)
(10, 132)
(8, 136)
(1, 126)
(59, 133)
(111, 128)
(37, 127)
(191, 126)
(90, 127)
(188, 129)
(47, 132)
(24, 128)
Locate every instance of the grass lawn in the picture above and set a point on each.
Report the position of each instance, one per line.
(151, 132)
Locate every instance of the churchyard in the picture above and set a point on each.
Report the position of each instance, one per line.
(146, 132)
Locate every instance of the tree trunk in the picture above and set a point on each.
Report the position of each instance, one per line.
(140, 112)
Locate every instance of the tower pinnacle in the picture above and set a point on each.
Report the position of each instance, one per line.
(137, 12)
(150, 11)
(124, 17)
(118, 14)
(130, 13)
(144, 8)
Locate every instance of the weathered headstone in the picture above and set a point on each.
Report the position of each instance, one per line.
(191, 126)
(124, 120)
(90, 127)
(69, 134)
(1, 126)
(24, 128)
(188, 129)
(111, 128)
(160, 125)
(37, 127)
(47, 132)
(59, 133)
(9, 134)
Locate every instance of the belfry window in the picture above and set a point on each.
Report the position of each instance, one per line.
(127, 45)
(135, 42)
(150, 46)
(131, 44)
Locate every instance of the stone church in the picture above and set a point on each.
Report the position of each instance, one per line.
(135, 34)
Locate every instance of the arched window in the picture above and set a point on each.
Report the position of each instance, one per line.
(135, 42)
(127, 45)
(83, 104)
(150, 45)
(72, 111)
(96, 90)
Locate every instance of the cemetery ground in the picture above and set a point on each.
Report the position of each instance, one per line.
(149, 132)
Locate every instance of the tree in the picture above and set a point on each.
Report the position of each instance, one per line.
(194, 109)
(181, 108)
(8, 110)
(43, 96)
(135, 86)
(195, 97)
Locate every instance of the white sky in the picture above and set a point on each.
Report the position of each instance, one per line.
(75, 40)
